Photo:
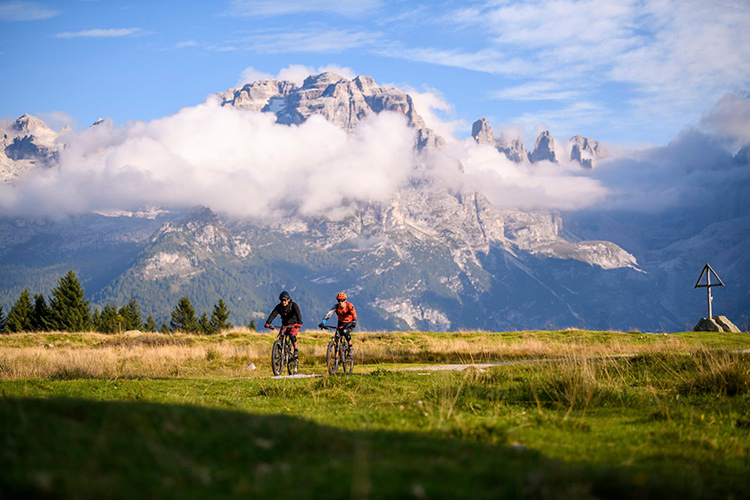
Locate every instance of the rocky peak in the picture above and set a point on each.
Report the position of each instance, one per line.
(27, 125)
(482, 132)
(544, 149)
(513, 148)
(258, 96)
(339, 100)
(585, 151)
(27, 143)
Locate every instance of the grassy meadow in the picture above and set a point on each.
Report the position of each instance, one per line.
(602, 415)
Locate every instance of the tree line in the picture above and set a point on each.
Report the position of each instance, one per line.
(68, 311)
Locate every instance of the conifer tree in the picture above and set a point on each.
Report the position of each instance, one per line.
(252, 325)
(164, 328)
(183, 317)
(131, 314)
(108, 320)
(205, 325)
(150, 324)
(96, 318)
(2, 320)
(42, 320)
(21, 314)
(69, 309)
(219, 317)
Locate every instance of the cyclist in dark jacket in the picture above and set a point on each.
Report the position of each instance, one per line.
(291, 317)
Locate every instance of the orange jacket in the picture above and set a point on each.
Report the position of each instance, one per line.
(346, 312)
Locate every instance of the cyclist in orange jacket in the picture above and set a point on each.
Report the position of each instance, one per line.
(347, 316)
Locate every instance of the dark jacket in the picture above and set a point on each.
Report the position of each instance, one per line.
(290, 314)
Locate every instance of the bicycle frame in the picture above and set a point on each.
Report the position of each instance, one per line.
(282, 352)
(338, 352)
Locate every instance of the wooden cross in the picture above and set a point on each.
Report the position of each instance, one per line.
(708, 271)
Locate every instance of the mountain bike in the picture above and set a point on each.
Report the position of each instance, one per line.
(282, 352)
(339, 352)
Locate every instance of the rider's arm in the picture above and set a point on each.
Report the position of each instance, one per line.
(273, 315)
(354, 313)
(329, 314)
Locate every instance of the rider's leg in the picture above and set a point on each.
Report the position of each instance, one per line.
(294, 332)
(347, 331)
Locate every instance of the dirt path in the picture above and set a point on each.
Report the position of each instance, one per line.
(466, 366)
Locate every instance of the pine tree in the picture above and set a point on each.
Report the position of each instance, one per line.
(2, 320)
(42, 320)
(183, 317)
(21, 314)
(164, 328)
(150, 324)
(108, 320)
(70, 310)
(252, 325)
(131, 314)
(96, 318)
(219, 317)
(205, 325)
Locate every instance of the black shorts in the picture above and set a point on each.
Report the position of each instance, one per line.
(346, 329)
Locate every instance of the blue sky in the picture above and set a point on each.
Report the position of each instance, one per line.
(629, 72)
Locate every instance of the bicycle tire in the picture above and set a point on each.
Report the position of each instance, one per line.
(291, 362)
(348, 359)
(332, 358)
(276, 358)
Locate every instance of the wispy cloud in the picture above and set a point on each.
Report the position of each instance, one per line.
(536, 91)
(487, 60)
(318, 40)
(25, 11)
(102, 33)
(186, 44)
(270, 8)
(661, 60)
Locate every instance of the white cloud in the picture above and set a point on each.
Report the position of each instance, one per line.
(243, 163)
(25, 11)
(269, 8)
(250, 75)
(730, 118)
(433, 108)
(514, 185)
(237, 162)
(56, 120)
(102, 33)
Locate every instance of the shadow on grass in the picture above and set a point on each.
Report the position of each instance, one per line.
(74, 448)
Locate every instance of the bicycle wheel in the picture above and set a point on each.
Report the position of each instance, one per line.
(276, 358)
(348, 357)
(332, 357)
(292, 363)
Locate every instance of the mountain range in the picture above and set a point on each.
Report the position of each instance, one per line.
(428, 258)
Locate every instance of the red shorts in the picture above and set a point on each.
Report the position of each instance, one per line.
(291, 329)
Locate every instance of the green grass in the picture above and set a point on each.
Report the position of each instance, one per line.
(655, 425)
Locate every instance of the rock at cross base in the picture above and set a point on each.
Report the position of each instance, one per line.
(716, 324)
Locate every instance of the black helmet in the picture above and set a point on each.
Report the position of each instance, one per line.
(284, 295)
